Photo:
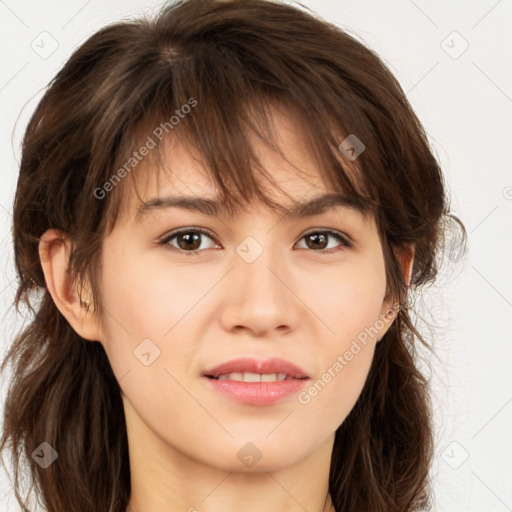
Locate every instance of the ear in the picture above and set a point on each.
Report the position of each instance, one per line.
(390, 308)
(406, 258)
(54, 250)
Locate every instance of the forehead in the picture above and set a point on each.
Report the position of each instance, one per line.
(175, 175)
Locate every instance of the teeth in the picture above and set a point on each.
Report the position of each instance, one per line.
(253, 377)
(231, 376)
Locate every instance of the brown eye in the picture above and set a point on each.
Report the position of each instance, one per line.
(319, 240)
(187, 240)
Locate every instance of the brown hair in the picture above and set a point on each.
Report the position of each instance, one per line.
(233, 59)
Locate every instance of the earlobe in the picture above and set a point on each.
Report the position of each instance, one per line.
(54, 250)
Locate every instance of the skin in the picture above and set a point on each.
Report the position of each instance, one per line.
(295, 301)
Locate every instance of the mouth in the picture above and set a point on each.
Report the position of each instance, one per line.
(245, 369)
(253, 377)
(254, 382)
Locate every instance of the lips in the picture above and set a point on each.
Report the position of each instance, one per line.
(253, 382)
(254, 366)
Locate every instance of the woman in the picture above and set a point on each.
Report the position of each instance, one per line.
(224, 209)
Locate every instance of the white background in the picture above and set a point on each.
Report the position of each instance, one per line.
(464, 100)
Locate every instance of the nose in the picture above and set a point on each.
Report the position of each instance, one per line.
(260, 296)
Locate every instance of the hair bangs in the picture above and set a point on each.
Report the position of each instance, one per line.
(219, 134)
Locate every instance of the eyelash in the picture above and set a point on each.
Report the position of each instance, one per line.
(165, 241)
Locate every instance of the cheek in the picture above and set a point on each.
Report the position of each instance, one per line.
(142, 295)
(347, 299)
(351, 310)
(340, 385)
(134, 310)
(345, 366)
(150, 307)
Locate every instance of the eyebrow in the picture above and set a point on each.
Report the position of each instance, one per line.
(215, 208)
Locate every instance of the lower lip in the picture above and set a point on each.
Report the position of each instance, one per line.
(257, 393)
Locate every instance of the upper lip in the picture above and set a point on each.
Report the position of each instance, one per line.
(250, 365)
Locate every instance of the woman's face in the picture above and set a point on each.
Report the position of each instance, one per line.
(255, 288)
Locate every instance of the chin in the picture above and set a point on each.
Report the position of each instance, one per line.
(264, 456)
